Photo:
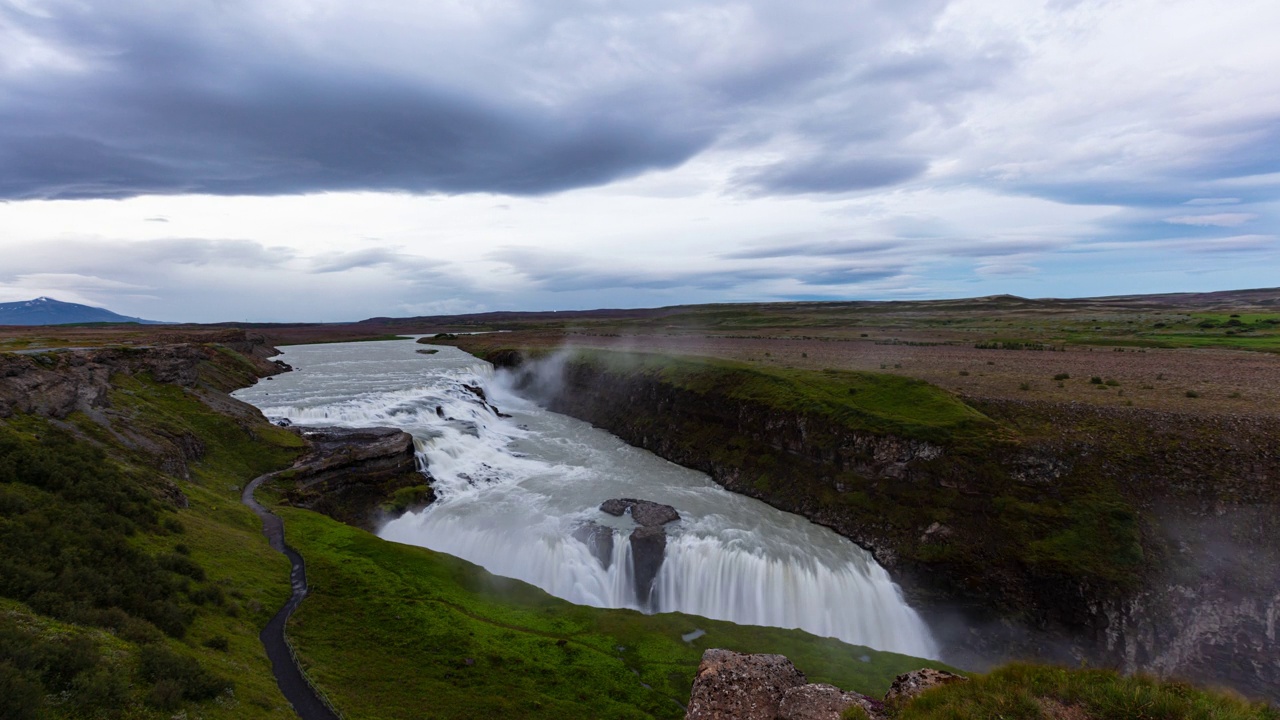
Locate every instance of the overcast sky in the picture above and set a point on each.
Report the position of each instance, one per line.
(328, 160)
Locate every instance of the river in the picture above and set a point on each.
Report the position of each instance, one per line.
(512, 491)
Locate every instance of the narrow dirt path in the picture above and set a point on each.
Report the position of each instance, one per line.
(293, 684)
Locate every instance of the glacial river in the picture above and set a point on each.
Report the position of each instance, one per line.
(512, 491)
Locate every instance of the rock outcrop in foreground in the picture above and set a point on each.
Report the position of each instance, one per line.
(738, 686)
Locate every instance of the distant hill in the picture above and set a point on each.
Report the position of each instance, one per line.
(47, 311)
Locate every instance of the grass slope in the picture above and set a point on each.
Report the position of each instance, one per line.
(393, 631)
(859, 401)
(157, 606)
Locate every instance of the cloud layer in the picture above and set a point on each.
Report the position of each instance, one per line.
(632, 152)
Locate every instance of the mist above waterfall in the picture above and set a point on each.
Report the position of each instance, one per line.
(512, 491)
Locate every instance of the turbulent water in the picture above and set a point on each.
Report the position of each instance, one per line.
(513, 490)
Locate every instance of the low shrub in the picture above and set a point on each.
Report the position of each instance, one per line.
(217, 642)
(176, 677)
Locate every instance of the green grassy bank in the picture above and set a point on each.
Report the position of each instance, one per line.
(1037, 692)
(856, 401)
(393, 631)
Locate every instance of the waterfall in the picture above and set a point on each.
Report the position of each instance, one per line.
(512, 491)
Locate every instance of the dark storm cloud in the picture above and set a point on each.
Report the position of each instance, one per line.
(301, 134)
(228, 98)
(169, 110)
(825, 175)
(109, 100)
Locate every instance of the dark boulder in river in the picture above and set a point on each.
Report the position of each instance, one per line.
(644, 512)
(648, 542)
(598, 539)
(648, 550)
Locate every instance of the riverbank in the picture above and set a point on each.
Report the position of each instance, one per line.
(1081, 531)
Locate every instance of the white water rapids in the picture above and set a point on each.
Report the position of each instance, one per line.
(512, 491)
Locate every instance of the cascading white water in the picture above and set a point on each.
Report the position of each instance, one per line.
(512, 491)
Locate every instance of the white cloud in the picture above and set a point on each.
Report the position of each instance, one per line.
(1213, 220)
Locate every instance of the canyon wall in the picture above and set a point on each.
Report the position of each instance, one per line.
(1143, 541)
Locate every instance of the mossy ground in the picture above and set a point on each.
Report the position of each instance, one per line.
(1037, 692)
(394, 631)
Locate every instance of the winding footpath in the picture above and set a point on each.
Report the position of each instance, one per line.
(293, 684)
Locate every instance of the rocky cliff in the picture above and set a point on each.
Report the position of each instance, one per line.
(350, 474)
(1118, 537)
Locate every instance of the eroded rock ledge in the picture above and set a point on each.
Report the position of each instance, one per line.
(350, 473)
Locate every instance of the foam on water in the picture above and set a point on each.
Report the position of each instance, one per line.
(513, 490)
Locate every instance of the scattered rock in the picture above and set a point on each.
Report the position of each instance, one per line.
(644, 512)
(936, 532)
(477, 391)
(736, 686)
(908, 685)
(598, 539)
(648, 550)
(819, 701)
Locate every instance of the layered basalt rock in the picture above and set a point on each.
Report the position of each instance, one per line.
(349, 473)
